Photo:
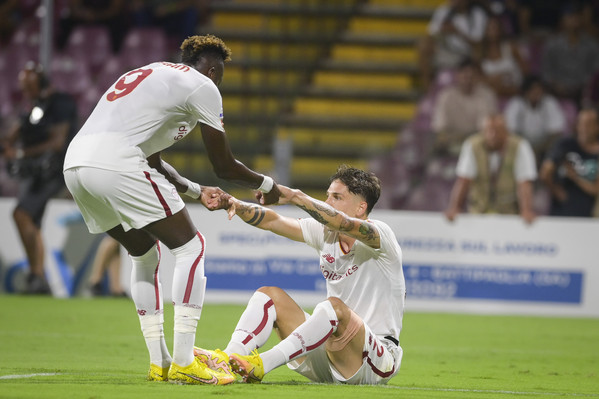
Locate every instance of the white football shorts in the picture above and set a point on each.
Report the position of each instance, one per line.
(381, 360)
(107, 198)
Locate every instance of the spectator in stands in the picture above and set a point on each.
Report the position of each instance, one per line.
(460, 109)
(496, 171)
(108, 13)
(535, 115)
(9, 20)
(590, 96)
(107, 260)
(35, 147)
(179, 19)
(507, 11)
(454, 30)
(571, 170)
(570, 58)
(501, 62)
(539, 17)
(590, 17)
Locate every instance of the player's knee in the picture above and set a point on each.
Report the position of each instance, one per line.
(272, 292)
(340, 308)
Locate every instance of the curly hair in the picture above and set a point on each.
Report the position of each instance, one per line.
(194, 47)
(360, 182)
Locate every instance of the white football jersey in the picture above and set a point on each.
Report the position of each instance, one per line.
(370, 281)
(145, 111)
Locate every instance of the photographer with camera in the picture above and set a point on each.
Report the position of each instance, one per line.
(34, 150)
(571, 169)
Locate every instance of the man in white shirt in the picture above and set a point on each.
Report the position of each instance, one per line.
(454, 30)
(122, 186)
(536, 116)
(496, 171)
(353, 336)
(460, 109)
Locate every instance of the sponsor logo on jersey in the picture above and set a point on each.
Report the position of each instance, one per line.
(182, 132)
(333, 276)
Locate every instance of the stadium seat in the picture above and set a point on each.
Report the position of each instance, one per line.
(571, 113)
(6, 102)
(110, 72)
(396, 179)
(143, 46)
(87, 102)
(89, 44)
(434, 191)
(70, 76)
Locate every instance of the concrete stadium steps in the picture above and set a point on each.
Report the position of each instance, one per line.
(427, 4)
(368, 82)
(310, 173)
(244, 50)
(359, 143)
(240, 76)
(335, 107)
(272, 23)
(265, 105)
(334, 79)
(387, 24)
(293, 3)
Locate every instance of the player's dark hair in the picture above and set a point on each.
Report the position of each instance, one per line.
(195, 47)
(360, 182)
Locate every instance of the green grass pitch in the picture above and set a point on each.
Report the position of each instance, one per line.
(84, 348)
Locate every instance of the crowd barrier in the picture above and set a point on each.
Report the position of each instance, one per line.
(484, 264)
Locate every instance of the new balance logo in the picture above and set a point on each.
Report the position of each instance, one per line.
(329, 258)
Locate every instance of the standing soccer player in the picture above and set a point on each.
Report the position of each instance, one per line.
(353, 336)
(122, 186)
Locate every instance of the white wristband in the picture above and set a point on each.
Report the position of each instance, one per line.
(266, 185)
(194, 190)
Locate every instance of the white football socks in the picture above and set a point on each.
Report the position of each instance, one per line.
(254, 326)
(308, 336)
(189, 285)
(146, 293)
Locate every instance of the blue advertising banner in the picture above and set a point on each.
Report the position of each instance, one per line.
(485, 282)
(250, 274)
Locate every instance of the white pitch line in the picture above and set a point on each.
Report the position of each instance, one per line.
(19, 376)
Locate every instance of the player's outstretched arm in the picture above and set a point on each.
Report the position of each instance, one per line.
(228, 168)
(265, 219)
(212, 198)
(360, 229)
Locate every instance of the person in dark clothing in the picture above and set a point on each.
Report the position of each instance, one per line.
(108, 13)
(571, 169)
(34, 149)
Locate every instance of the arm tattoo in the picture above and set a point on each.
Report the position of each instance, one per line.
(346, 225)
(367, 231)
(259, 213)
(315, 214)
(327, 210)
(243, 209)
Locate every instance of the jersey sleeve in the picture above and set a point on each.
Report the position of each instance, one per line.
(389, 248)
(313, 233)
(207, 105)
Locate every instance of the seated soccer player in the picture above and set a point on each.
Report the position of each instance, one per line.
(353, 335)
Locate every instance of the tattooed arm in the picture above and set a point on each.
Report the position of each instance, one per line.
(360, 229)
(266, 219)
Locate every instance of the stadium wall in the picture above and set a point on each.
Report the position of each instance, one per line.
(487, 264)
